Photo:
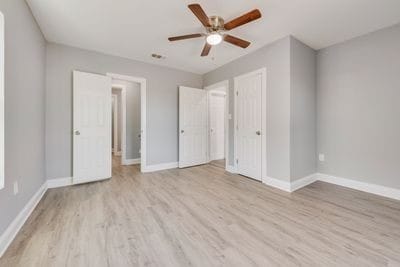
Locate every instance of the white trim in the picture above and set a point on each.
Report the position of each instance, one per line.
(290, 186)
(300, 183)
(59, 182)
(277, 183)
(361, 186)
(224, 84)
(143, 115)
(2, 42)
(132, 161)
(161, 166)
(231, 169)
(380, 190)
(115, 124)
(263, 72)
(118, 153)
(12, 230)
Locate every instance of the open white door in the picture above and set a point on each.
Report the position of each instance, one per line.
(248, 125)
(217, 124)
(92, 127)
(193, 126)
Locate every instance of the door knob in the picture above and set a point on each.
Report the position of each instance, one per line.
(182, 131)
(77, 133)
(258, 133)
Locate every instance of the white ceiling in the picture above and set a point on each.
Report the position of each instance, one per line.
(137, 28)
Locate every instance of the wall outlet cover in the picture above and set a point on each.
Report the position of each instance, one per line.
(321, 157)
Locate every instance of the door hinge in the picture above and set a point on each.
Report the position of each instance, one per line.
(237, 93)
(237, 161)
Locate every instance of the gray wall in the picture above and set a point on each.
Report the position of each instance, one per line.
(132, 118)
(358, 108)
(24, 109)
(162, 103)
(276, 58)
(303, 92)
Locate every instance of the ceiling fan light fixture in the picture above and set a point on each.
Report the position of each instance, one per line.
(214, 38)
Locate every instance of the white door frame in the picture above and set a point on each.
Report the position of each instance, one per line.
(1, 100)
(263, 72)
(143, 117)
(115, 124)
(211, 87)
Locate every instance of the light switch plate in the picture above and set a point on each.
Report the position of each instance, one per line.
(321, 157)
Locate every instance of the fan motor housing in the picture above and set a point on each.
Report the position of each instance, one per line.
(217, 24)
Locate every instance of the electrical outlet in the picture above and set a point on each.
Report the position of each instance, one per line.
(15, 187)
(321, 157)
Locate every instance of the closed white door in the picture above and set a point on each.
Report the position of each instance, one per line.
(193, 126)
(248, 125)
(92, 127)
(217, 125)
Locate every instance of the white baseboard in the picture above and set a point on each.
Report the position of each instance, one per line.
(59, 182)
(159, 167)
(12, 230)
(357, 185)
(131, 161)
(302, 182)
(118, 153)
(231, 169)
(361, 186)
(277, 183)
(290, 186)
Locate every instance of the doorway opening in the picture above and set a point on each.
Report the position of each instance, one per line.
(97, 135)
(218, 112)
(127, 126)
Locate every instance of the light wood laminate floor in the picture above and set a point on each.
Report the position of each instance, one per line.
(218, 163)
(204, 216)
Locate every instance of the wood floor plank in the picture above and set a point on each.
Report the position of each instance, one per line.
(204, 216)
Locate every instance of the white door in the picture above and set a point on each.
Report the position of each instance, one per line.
(92, 127)
(248, 125)
(193, 126)
(217, 125)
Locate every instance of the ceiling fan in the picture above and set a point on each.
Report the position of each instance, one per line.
(216, 28)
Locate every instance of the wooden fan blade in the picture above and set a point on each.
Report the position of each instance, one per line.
(236, 41)
(183, 37)
(206, 50)
(200, 14)
(246, 18)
